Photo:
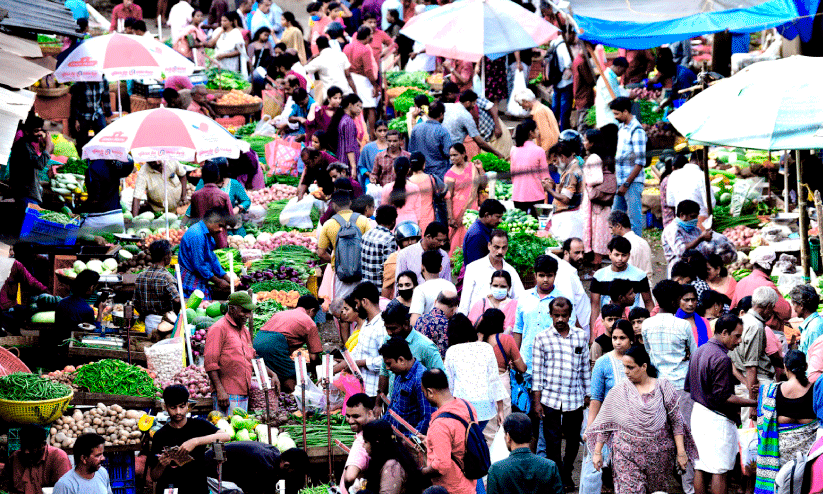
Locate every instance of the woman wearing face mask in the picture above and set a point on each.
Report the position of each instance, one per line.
(490, 328)
(567, 192)
(499, 297)
(607, 371)
(688, 311)
(406, 283)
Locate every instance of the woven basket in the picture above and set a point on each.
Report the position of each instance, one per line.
(9, 363)
(50, 50)
(220, 92)
(51, 92)
(34, 412)
(19, 342)
(238, 109)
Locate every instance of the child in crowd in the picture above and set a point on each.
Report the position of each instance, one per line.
(636, 317)
(603, 343)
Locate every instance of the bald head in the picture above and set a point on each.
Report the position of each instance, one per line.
(447, 301)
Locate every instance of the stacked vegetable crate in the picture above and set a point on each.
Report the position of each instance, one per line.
(120, 466)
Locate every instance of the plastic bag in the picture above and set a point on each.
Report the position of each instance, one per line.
(316, 397)
(282, 156)
(747, 442)
(376, 191)
(478, 86)
(297, 214)
(513, 108)
(498, 450)
(719, 245)
(745, 191)
(265, 127)
(165, 358)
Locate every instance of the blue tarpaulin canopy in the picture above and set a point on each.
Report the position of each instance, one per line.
(640, 24)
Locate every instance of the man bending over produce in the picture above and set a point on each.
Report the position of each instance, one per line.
(359, 412)
(88, 477)
(155, 292)
(228, 355)
(185, 468)
(35, 465)
(70, 312)
(284, 333)
(257, 467)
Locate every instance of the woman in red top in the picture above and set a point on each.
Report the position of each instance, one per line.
(490, 326)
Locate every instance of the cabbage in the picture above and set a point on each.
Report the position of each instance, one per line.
(110, 264)
(242, 435)
(262, 432)
(95, 265)
(285, 442)
(79, 266)
(224, 426)
(250, 239)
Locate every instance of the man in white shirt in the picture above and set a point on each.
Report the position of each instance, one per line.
(689, 183)
(425, 295)
(372, 335)
(179, 17)
(641, 256)
(331, 67)
(477, 281)
(267, 15)
(603, 97)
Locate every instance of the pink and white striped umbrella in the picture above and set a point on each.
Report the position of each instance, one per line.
(121, 57)
(163, 134)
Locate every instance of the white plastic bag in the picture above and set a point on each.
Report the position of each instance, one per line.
(478, 85)
(265, 127)
(744, 191)
(747, 441)
(513, 108)
(376, 191)
(498, 450)
(297, 214)
(165, 358)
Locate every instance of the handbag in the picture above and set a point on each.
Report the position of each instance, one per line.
(282, 155)
(520, 393)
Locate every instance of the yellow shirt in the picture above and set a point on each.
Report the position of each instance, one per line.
(149, 185)
(549, 132)
(328, 234)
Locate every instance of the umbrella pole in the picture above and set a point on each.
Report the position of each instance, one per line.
(119, 102)
(166, 197)
(786, 186)
(804, 222)
(707, 179)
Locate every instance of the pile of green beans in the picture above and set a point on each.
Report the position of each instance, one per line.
(21, 386)
(115, 377)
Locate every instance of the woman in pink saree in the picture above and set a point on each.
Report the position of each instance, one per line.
(462, 181)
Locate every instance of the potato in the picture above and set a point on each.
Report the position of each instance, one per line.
(53, 431)
(117, 408)
(134, 414)
(60, 437)
(67, 443)
(59, 421)
(135, 434)
(101, 430)
(111, 429)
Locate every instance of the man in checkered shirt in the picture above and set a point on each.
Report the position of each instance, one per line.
(372, 336)
(562, 379)
(629, 161)
(377, 245)
(155, 291)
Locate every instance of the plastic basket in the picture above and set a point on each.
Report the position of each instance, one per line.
(34, 412)
(44, 232)
(123, 488)
(120, 466)
(9, 363)
(814, 251)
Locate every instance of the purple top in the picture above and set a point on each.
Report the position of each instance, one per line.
(321, 122)
(347, 139)
(710, 381)
(259, 180)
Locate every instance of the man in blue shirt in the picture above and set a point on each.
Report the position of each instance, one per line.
(805, 301)
(198, 263)
(478, 236)
(78, 9)
(433, 140)
(407, 398)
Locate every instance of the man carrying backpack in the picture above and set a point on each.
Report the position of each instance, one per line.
(455, 459)
(339, 243)
(558, 74)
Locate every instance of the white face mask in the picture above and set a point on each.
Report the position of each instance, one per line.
(499, 293)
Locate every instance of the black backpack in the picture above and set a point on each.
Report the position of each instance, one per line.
(552, 73)
(476, 459)
(347, 249)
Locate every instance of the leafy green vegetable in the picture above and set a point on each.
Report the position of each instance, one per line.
(524, 249)
(536, 80)
(399, 124)
(403, 103)
(457, 262)
(647, 113)
(223, 256)
(245, 130)
(492, 163)
(258, 145)
(75, 165)
(591, 117)
(411, 79)
(225, 79)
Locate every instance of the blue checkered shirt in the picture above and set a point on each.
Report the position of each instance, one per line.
(485, 122)
(631, 151)
(376, 245)
(670, 343)
(562, 372)
(408, 400)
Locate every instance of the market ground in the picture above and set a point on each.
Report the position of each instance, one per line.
(331, 338)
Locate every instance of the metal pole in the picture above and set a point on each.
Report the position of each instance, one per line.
(804, 222)
(786, 185)
(706, 177)
(327, 385)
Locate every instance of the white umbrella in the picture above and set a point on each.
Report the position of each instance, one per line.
(163, 134)
(772, 105)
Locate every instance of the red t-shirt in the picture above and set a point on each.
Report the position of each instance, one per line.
(583, 83)
(297, 327)
(378, 41)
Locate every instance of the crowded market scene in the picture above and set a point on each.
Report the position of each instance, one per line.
(299, 226)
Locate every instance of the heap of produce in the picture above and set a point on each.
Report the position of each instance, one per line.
(105, 267)
(23, 386)
(68, 184)
(57, 217)
(137, 263)
(741, 267)
(743, 236)
(194, 379)
(76, 167)
(492, 163)
(403, 103)
(118, 426)
(225, 79)
(237, 98)
(265, 309)
(503, 190)
(316, 433)
(175, 236)
(518, 221)
(149, 224)
(663, 129)
(115, 377)
(524, 249)
(642, 93)
(289, 255)
(64, 376)
(407, 79)
(275, 192)
(240, 426)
